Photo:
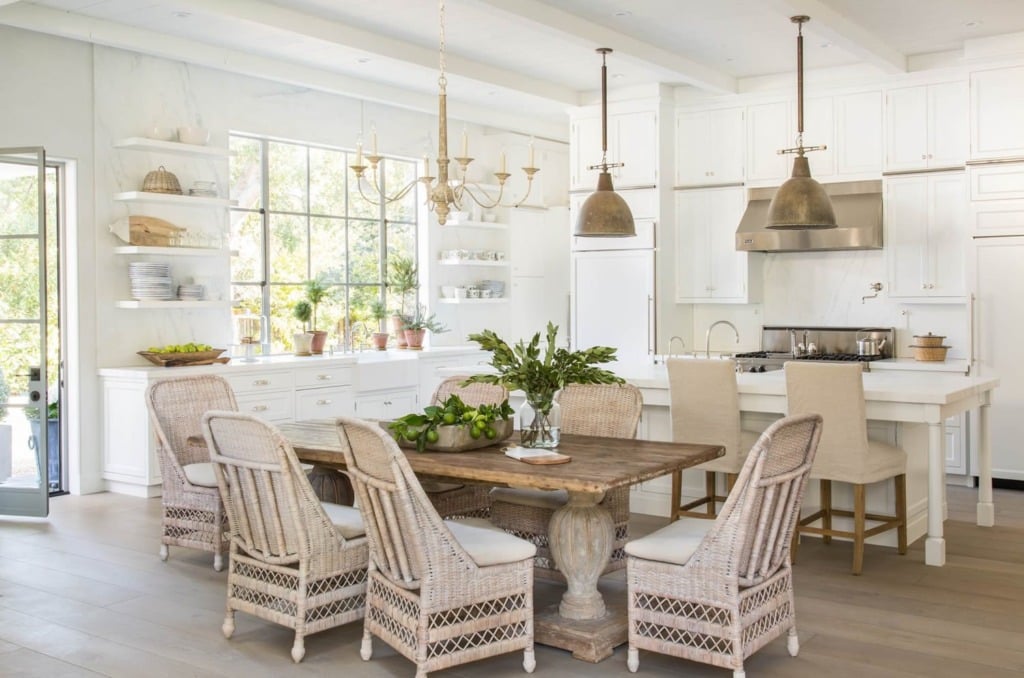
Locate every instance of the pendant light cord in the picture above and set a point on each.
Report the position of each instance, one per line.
(604, 107)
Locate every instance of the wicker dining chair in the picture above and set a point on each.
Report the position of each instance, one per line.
(717, 592)
(440, 592)
(705, 407)
(836, 391)
(463, 500)
(192, 512)
(607, 410)
(292, 560)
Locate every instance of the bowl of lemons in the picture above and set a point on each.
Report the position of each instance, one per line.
(176, 355)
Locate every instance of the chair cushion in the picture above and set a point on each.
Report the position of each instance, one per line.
(200, 474)
(674, 543)
(346, 519)
(489, 545)
(882, 461)
(546, 499)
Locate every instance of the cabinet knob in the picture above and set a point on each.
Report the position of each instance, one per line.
(387, 402)
(259, 408)
(924, 157)
(323, 402)
(323, 377)
(261, 382)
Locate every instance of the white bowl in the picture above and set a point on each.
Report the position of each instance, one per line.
(197, 136)
(160, 133)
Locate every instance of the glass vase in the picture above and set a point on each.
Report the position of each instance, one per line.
(540, 424)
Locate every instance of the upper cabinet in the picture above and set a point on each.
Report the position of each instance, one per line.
(997, 108)
(632, 140)
(925, 234)
(767, 133)
(926, 127)
(858, 135)
(710, 147)
(708, 267)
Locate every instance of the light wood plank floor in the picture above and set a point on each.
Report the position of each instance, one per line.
(84, 594)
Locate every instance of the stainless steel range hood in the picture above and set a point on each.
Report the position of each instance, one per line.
(858, 208)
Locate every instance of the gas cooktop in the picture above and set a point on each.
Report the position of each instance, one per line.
(830, 344)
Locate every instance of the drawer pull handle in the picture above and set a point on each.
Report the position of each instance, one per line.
(323, 377)
(261, 382)
(259, 408)
(323, 402)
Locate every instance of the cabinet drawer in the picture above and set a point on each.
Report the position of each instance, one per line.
(261, 381)
(998, 182)
(997, 217)
(269, 406)
(377, 376)
(324, 403)
(327, 375)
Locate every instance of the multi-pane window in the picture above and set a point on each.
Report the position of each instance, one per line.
(300, 216)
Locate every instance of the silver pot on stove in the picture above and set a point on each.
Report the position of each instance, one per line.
(869, 346)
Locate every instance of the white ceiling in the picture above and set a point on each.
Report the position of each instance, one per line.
(520, 63)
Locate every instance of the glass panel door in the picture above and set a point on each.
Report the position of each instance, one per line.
(26, 460)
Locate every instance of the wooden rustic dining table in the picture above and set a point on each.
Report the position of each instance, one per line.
(581, 533)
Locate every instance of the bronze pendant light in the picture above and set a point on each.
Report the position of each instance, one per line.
(605, 214)
(800, 203)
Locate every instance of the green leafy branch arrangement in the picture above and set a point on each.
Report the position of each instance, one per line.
(422, 428)
(522, 368)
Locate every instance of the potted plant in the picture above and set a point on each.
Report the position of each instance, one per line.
(403, 279)
(316, 292)
(415, 327)
(379, 311)
(523, 368)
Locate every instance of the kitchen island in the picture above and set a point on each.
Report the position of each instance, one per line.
(917, 402)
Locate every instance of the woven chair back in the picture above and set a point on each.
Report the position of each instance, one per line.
(176, 407)
(408, 539)
(752, 535)
(836, 392)
(606, 410)
(272, 510)
(705, 405)
(473, 395)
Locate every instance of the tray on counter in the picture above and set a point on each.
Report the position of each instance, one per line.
(181, 359)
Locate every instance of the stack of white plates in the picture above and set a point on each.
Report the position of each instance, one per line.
(191, 292)
(202, 193)
(150, 281)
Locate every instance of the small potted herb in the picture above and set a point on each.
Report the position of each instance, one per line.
(416, 327)
(316, 292)
(403, 280)
(379, 312)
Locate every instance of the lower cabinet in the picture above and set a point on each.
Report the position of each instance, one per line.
(387, 405)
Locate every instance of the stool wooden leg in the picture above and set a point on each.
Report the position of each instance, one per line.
(730, 481)
(859, 509)
(901, 513)
(709, 489)
(677, 495)
(825, 489)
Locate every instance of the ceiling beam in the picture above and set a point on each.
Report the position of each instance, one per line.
(318, 28)
(86, 29)
(572, 28)
(847, 35)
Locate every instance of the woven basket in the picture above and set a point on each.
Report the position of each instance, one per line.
(930, 353)
(930, 340)
(161, 181)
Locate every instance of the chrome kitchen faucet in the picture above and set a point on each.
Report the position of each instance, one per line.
(707, 339)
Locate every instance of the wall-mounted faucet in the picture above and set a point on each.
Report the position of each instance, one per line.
(876, 287)
(682, 345)
(707, 339)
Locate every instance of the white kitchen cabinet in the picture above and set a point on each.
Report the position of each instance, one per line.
(997, 199)
(386, 389)
(540, 271)
(429, 363)
(613, 302)
(926, 127)
(926, 237)
(997, 108)
(389, 405)
(708, 267)
(998, 287)
(710, 147)
(632, 140)
(858, 135)
(768, 128)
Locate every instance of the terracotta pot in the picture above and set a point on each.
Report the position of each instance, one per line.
(380, 340)
(319, 341)
(415, 339)
(396, 327)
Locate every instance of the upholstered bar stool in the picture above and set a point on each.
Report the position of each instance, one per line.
(705, 406)
(458, 500)
(836, 392)
(608, 410)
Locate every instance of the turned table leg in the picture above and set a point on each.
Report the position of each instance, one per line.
(581, 535)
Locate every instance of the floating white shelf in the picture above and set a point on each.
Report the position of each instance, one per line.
(170, 303)
(499, 300)
(173, 199)
(174, 251)
(175, 147)
(471, 262)
(469, 223)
